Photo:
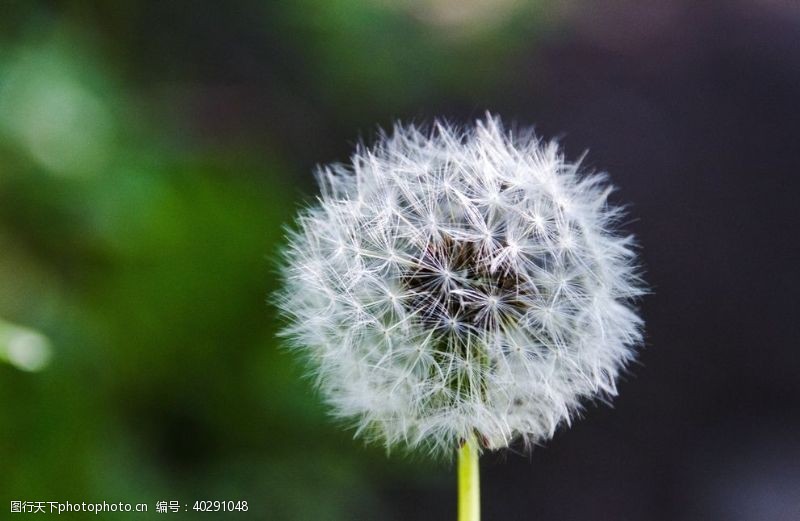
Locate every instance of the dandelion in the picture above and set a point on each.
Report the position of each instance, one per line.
(460, 289)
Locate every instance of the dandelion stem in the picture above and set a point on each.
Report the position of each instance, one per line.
(469, 488)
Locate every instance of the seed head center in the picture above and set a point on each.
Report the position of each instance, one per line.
(453, 282)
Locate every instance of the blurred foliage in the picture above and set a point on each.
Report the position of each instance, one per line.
(383, 56)
(136, 254)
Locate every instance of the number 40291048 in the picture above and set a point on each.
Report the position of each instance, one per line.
(220, 506)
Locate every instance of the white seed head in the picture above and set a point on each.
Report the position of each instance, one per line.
(461, 281)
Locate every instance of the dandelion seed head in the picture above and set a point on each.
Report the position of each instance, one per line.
(460, 281)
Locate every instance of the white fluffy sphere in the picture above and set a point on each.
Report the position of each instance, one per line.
(461, 281)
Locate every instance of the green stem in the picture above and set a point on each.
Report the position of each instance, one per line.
(469, 488)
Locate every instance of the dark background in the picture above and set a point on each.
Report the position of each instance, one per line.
(150, 153)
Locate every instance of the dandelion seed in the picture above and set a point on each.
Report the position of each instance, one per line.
(461, 283)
